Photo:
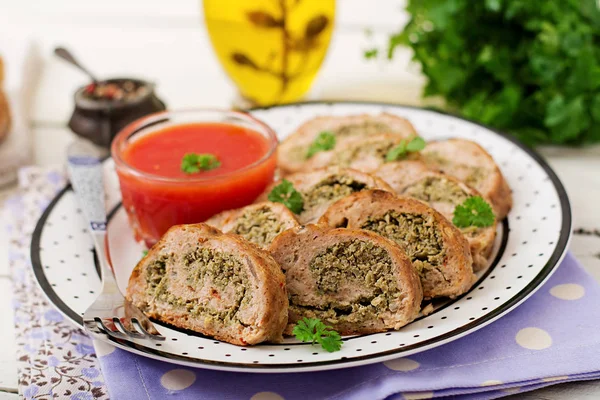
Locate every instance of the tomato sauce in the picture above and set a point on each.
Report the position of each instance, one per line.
(158, 194)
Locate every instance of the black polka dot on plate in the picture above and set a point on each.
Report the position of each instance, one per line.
(299, 360)
(534, 230)
(200, 348)
(484, 308)
(519, 277)
(242, 349)
(541, 254)
(508, 287)
(185, 354)
(76, 297)
(496, 298)
(174, 339)
(358, 349)
(158, 344)
(469, 298)
(524, 242)
(286, 349)
(374, 341)
(388, 334)
(416, 335)
(315, 354)
(457, 308)
(271, 355)
(530, 265)
(430, 326)
(256, 362)
(472, 319)
(493, 276)
(480, 288)
(216, 342)
(401, 345)
(444, 317)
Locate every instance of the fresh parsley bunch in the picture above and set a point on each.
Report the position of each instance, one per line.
(528, 67)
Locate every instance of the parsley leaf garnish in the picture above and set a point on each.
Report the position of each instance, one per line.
(323, 142)
(474, 211)
(314, 331)
(400, 151)
(285, 194)
(371, 53)
(144, 253)
(193, 162)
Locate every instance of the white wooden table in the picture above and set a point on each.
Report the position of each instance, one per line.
(166, 42)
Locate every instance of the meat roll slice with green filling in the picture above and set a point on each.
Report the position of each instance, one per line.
(443, 193)
(366, 154)
(354, 280)
(438, 250)
(257, 223)
(321, 188)
(217, 284)
(296, 154)
(470, 163)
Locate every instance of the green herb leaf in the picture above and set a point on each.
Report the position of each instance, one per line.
(530, 68)
(314, 331)
(371, 53)
(145, 253)
(400, 151)
(416, 144)
(285, 194)
(193, 163)
(323, 142)
(474, 211)
(396, 152)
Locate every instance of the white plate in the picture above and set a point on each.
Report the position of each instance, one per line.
(530, 245)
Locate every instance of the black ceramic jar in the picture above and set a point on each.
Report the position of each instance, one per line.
(99, 118)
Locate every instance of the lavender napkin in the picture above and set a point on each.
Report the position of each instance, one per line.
(553, 337)
(55, 359)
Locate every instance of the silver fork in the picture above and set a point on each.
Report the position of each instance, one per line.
(111, 313)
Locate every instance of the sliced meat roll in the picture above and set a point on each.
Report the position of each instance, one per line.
(257, 223)
(443, 193)
(469, 162)
(365, 154)
(200, 279)
(355, 280)
(293, 151)
(320, 188)
(438, 250)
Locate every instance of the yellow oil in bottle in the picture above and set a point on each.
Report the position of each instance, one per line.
(271, 49)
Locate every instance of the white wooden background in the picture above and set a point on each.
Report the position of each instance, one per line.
(165, 42)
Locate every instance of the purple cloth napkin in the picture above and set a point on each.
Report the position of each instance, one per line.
(553, 337)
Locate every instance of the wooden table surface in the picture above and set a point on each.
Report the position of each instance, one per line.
(166, 42)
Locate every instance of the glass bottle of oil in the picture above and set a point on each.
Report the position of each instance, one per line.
(271, 49)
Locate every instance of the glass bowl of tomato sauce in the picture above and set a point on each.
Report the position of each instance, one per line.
(182, 167)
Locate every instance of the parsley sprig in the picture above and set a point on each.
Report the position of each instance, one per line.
(193, 163)
(474, 211)
(314, 331)
(323, 142)
(402, 149)
(285, 194)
